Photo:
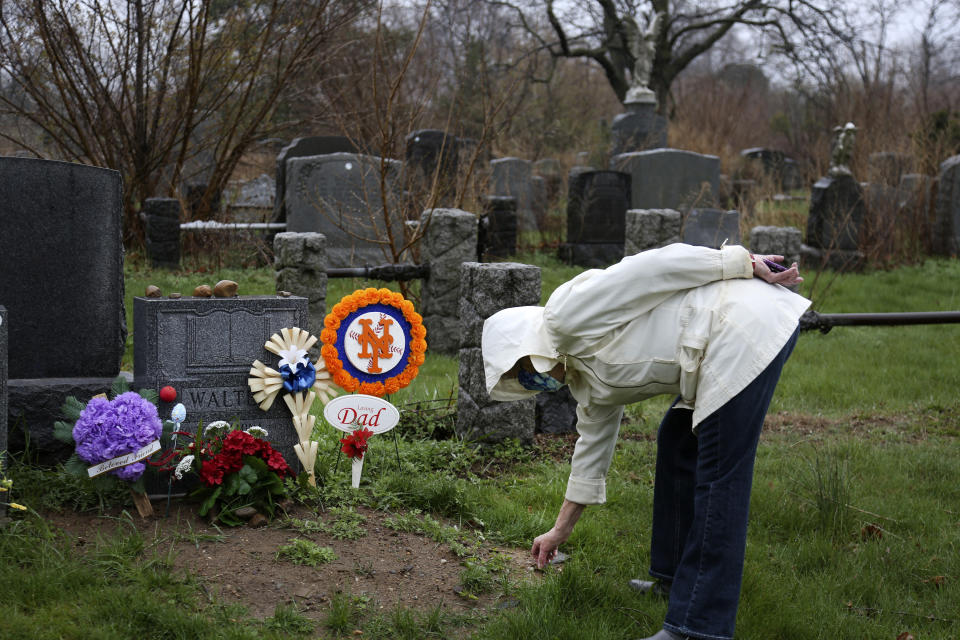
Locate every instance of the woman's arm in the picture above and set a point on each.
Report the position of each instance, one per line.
(545, 546)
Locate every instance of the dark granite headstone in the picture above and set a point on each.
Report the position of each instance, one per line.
(428, 148)
(339, 195)
(3, 392)
(711, 227)
(836, 213)
(640, 128)
(162, 222)
(946, 225)
(301, 147)
(596, 208)
(61, 257)
(498, 227)
(670, 178)
(204, 348)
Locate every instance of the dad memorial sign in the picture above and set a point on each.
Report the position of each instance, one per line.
(204, 348)
(373, 342)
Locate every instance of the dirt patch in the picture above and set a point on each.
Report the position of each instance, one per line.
(240, 565)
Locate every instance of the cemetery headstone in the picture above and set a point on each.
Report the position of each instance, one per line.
(638, 129)
(773, 164)
(432, 152)
(162, 230)
(780, 241)
(486, 288)
(552, 173)
(302, 147)
(498, 227)
(513, 177)
(449, 240)
(915, 199)
(204, 348)
(711, 227)
(252, 201)
(651, 229)
(339, 196)
(670, 178)
(946, 225)
(62, 258)
(3, 393)
(596, 208)
(834, 225)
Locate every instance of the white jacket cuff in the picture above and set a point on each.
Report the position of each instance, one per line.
(735, 262)
(586, 490)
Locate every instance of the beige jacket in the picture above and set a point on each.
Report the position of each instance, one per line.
(681, 320)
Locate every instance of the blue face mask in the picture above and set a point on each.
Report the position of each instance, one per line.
(537, 381)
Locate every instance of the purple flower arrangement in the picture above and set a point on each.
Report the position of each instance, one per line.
(110, 428)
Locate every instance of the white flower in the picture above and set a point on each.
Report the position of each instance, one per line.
(257, 431)
(183, 467)
(292, 356)
(216, 427)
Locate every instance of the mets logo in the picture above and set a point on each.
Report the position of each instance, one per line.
(370, 344)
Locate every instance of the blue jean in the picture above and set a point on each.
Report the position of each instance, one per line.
(701, 502)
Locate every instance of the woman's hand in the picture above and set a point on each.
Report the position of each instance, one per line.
(545, 547)
(787, 278)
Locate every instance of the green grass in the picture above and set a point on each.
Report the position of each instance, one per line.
(855, 526)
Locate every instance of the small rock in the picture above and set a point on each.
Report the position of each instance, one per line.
(226, 289)
(245, 513)
(560, 558)
(175, 296)
(203, 291)
(153, 291)
(284, 294)
(258, 520)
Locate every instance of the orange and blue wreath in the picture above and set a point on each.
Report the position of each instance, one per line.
(369, 323)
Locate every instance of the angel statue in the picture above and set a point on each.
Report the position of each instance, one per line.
(842, 149)
(642, 46)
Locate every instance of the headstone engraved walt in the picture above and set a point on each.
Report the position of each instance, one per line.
(204, 348)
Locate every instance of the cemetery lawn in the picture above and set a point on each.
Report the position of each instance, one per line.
(855, 517)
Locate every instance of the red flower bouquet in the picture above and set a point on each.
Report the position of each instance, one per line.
(355, 444)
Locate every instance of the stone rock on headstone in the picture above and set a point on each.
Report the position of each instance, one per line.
(651, 229)
(162, 230)
(888, 167)
(300, 267)
(640, 128)
(711, 227)
(61, 257)
(498, 227)
(204, 348)
(298, 148)
(449, 240)
(597, 203)
(252, 201)
(486, 288)
(670, 178)
(339, 196)
(556, 412)
(946, 225)
(834, 225)
(780, 241)
(513, 177)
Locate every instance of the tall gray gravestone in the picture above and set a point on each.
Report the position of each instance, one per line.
(670, 178)
(339, 195)
(61, 256)
(303, 147)
(486, 288)
(513, 177)
(946, 224)
(204, 348)
(3, 393)
(449, 239)
(837, 210)
(597, 204)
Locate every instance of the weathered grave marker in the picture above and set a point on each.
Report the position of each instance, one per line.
(670, 178)
(204, 348)
(302, 147)
(596, 217)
